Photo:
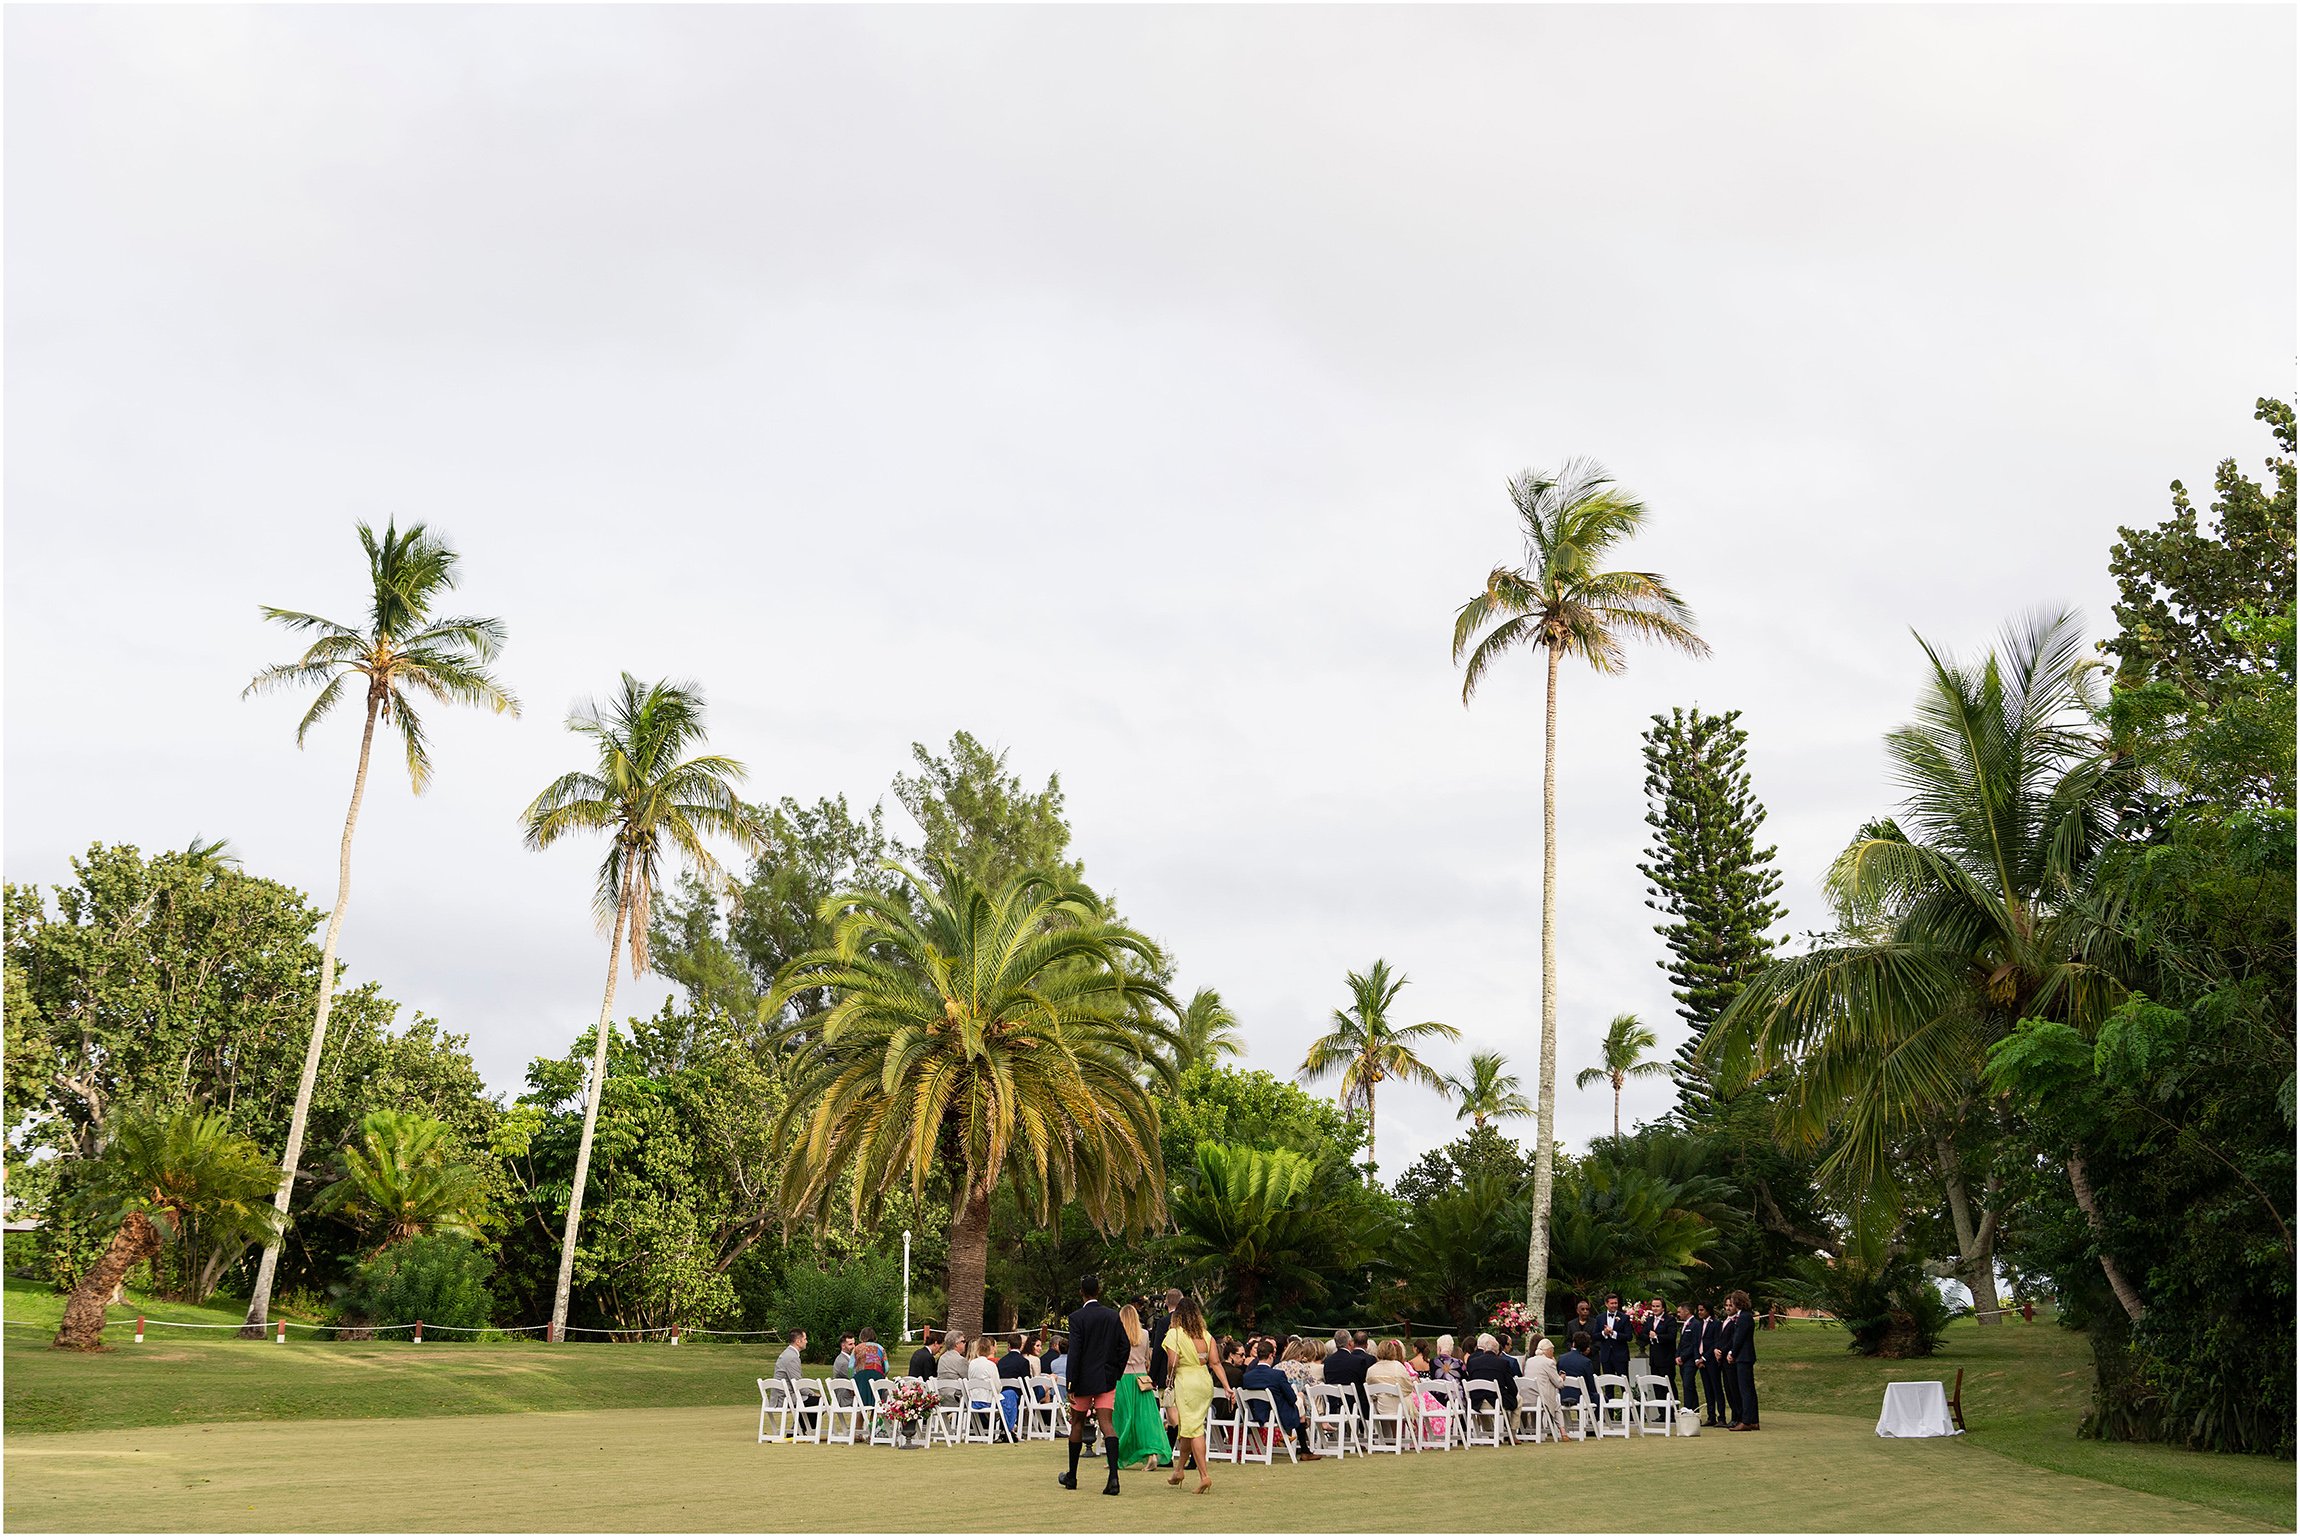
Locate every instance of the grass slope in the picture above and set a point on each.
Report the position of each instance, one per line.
(197, 1391)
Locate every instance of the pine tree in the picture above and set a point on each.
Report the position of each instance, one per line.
(1706, 871)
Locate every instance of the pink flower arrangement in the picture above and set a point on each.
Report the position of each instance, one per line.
(908, 1401)
(1516, 1318)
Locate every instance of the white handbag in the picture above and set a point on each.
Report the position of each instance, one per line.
(1689, 1422)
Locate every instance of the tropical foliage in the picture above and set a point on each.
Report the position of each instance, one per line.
(1364, 1049)
(402, 1178)
(1489, 1092)
(1621, 1057)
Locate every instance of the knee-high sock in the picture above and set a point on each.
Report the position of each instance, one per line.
(1074, 1457)
(1110, 1452)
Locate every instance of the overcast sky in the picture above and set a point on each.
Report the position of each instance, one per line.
(1135, 389)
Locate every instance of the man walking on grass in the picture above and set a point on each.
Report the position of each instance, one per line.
(1097, 1358)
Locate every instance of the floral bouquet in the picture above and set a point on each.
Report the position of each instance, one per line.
(1517, 1318)
(908, 1401)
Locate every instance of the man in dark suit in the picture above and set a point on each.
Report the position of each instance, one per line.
(1688, 1363)
(1612, 1333)
(1741, 1361)
(1264, 1374)
(1578, 1371)
(1713, 1379)
(1346, 1368)
(1487, 1364)
(922, 1359)
(1097, 1359)
(1660, 1330)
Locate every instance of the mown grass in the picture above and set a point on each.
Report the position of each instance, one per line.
(2026, 1386)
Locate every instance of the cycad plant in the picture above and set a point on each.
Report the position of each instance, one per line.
(401, 1179)
(403, 650)
(1364, 1049)
(1621, 1058)
(1564, 602)
(1960, 920)
(979, 1034)
(1489, 1093)
(657, 799)
(1245, 1226)
(158, 1172)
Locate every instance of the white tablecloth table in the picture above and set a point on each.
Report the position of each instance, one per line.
(1915, 1409)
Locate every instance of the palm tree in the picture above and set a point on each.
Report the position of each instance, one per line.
(1620, 1059)
(651, 799)
(401, 1179)
(1559, 600)
(1488, 1094)
(1959, 921)
(991, 1033)
(403, 651)
(156, 1174)
(1365, 1049)
(1206, 1031)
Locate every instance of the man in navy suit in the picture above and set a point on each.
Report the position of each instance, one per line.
(1264, 1374)
(1688, 1364)
(1347, 1367)
(1097, 1360)
(1711, 1354)
(1741, 1361)
(1614, 1327)
(1578, 1372)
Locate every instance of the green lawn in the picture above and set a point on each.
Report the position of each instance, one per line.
(197, 1430)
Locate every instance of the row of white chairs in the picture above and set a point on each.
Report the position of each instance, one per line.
(1459, 1415)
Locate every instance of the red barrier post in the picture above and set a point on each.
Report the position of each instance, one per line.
(283, 1331)
(419, 1331)
(139, 1328)
(674, 1334)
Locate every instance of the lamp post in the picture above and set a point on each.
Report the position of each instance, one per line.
(906, 1285)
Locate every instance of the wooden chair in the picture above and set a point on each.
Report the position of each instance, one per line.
(1957, 1400)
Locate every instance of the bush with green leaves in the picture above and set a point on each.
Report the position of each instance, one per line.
(1885, 1301)
(440, 1278)
(852, 1295)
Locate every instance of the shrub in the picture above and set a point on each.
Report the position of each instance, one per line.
(438, 1278)
(1889, 1306)
(864, 1292)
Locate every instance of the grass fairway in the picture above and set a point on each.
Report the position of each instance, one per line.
(201, 1432)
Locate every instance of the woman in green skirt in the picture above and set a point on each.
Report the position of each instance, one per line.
(1134, 1417)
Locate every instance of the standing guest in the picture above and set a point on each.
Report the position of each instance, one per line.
(870, 1366)
(1161, 1370)
(1688, 1362)
(922, 1359)
(1578, 1370)
(1487, 1363)
(843, 1364)
(1266, 1375)
(1714, 1377)
(1661, 1342)
(1192, 1353)
(1097, 1353)
(1014, 1374)
(1584, 1322)
(1447, 1365)
(1548, 1386)
(1613, 1333)
(1141, 1431)
(1741, 1361)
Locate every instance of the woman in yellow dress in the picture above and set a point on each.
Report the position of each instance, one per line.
(1193, 1372)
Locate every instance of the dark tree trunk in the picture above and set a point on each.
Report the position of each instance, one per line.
(969, 1263)
(83, 1328)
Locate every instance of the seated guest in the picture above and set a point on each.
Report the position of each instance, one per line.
(1487, 1364)
(950, 1366)
(843, 1364)
(981, 1371)
(1578, 1370)
(1265, 1375)
(1389, 1367)
(1058, 1364)
(922, 1359)
(1346, 1368)
(1446, 1364)
(787, 1367)
(1416, 1357)
(1014, 1376)
(1545, 1383)
(1301, 1367)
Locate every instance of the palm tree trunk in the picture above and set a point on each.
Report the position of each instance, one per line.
(591, 1098)
(83, 1329)
(1545, 1115)
(260, 1300)
(964, 1280)
(1976, 1247)
(1373, 1164)
(2080, 1184)
(1617, 1107)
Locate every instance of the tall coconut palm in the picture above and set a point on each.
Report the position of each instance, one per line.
(654, 801)
(1206, 1031)
(991, 1033)
(1562, 602)
(402, 651)
(1621, 1058)
(156, 1173)
(401, 1179)
(1488, 1093)
(1960, 919)
(1366, 1050)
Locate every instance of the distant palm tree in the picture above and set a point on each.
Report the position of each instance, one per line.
(987, 1034)
(1488, 1094)
(402, 651)
(1365, 1049)
(651, 799)
(156, 1173)
(1560, 601)
(1205, 1031)
(401, 1179)
(1622, 1058)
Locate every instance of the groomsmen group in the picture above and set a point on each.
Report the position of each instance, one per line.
(1711, 1359)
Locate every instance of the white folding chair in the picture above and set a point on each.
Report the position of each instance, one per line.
(1616, 1410)
(1334, 1428)
(775, 1402)
(1260, 1433)
(985, 1417)
(842, 1403)
(1439, 1425)
(1038, 1408)
(878, 1430)
(1483, 1420)
(1656, 1406)
(1223, 1437)
(1390, 1420)
(949, 1418)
